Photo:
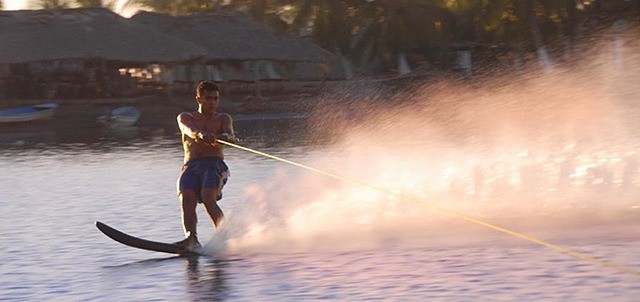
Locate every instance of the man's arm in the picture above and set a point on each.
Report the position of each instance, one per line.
(188, 128)
(227, 129)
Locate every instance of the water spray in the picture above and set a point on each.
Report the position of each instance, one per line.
(447, 211)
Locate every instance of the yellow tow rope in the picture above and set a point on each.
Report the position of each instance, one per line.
(448, 211)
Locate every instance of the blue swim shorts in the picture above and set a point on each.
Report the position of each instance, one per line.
(201, 173)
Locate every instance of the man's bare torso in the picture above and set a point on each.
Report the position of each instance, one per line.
(194, 148)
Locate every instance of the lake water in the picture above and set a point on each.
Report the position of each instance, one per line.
(294, 235)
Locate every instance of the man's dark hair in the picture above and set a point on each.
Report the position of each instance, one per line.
(206, 86)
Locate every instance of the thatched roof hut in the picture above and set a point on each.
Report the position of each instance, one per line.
(229, 37)
(86, 33)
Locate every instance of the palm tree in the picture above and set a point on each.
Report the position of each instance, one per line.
(117, 6)
(477, 20)
(395, 28)
(89, 3)
(329, 23)
(109, 4)
(179, 7)
(268, 12)
(49, 4)
(518, 25)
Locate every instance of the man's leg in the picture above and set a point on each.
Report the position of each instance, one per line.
(188, 201)
(209, 196)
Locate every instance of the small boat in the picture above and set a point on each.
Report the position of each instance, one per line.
(28, 113)
(120, 117)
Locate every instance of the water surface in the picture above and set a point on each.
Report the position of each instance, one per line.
(56, 183)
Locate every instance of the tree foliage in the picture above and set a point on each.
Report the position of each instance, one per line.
(180, 7)
(48, 4)
(380, 30)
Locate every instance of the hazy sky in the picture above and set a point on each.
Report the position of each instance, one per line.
(14, 4)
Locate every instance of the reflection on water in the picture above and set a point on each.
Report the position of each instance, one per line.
(207, 279)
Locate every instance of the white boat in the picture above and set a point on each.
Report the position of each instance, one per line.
(120, 117)
(28, 113)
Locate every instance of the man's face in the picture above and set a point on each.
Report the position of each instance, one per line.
(208, 101)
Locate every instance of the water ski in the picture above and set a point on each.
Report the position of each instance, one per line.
(144, 244)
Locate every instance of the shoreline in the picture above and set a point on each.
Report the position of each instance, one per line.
(157, 111)
(159, 107)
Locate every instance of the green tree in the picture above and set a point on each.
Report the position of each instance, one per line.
(518, 25)
(331, 23)
(477, 20)
(110, 4)
(180, 7)
(396, 27)
(49, 4)
(267, 12)
(384, 30)
(89, 3)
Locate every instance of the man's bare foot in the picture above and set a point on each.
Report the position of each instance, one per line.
(189, 244)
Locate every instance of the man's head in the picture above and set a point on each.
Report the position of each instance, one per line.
(206, 86)
(208, 97)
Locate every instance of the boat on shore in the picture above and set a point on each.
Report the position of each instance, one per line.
(28, 113)
(120, 117)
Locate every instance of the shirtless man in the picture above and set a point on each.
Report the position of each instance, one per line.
(204, 172)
